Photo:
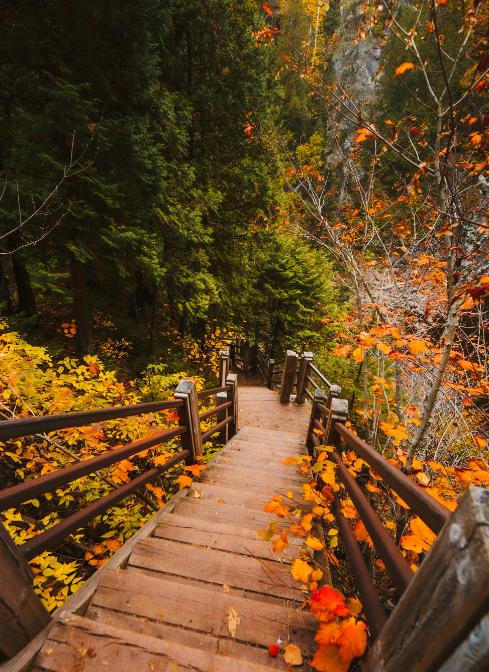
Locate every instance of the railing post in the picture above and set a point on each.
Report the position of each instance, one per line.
(188, 415)
(301, 377)
(254, 357)
(246, 357)
(22, 614)
(232, 355)
(319, 398)
(338, 412)
(223, 367)
(221, 398)
(288, 376)
(232, 395)
(271, 366)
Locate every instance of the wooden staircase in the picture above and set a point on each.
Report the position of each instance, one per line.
(201, 590)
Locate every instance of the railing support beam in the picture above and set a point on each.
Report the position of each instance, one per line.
(22, 614)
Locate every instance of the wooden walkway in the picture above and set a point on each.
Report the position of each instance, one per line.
(192, 592)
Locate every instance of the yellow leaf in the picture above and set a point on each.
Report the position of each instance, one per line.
(280, 543)
(292, 655)
(317, 575)
(314, 543)
(349, 512)
(422, 531)
(300, 570)
(358, 355)
(184, 481)
(416, 347)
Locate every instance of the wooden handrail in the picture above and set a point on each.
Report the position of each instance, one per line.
(213, 411)
(13, 429)
(395, 563)
(40, 543)
(216, 428)
(431, 512)
(215, 390)
(319, 374)
(17, 494)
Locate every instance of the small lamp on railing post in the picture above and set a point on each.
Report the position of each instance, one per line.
(188, 415)
(304, 362)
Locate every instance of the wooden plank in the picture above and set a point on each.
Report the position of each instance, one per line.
(249, 475)
(249, 499)
(229, 514)
(208, 643)
(264, 465)
(446, 598)
(196, 608)
(224, 537)
(473, 654)
(22, 615)
(122, 650)
(251, 485)
(216, 587)
(214, 566)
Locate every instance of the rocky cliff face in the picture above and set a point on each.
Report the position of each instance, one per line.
(355, 65)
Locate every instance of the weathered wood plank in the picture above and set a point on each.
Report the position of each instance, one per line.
(230, 514)
(248, 499)
(22, 615)
(205, 642)
(226, 470)
(224, 537)
(216, 567)
(473, 654)
(447, 597)
(196, 608)
(97, 647)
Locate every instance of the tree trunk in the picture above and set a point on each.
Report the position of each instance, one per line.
(154, 317)
(26, 299)
(83, 337)
(4, 281)
(450, 331)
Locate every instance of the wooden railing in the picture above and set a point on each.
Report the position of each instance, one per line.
(14, 558)
(441, 621)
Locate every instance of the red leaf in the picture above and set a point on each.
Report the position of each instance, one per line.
(273, 650)
(326, 603)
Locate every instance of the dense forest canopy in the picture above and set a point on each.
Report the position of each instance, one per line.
(301, 173)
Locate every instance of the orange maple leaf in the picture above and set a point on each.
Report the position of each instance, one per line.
(404, 67)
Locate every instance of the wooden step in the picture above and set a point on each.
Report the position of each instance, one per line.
(77, 643)
(220, 511)
(227, 469)
(208, 643)
(197, 608)
(217, 567)
(224, 537)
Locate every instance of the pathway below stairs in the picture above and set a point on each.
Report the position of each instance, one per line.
(197, 589)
